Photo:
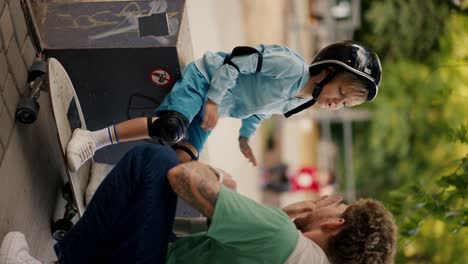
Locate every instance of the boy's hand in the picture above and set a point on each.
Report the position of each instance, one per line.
(246, 150)
(211, 115)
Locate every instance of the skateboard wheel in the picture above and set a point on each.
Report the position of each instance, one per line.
(60, 228)
(27, 110)
(37, 69)
(67, 192)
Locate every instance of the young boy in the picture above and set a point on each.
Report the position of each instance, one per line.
(249, 84)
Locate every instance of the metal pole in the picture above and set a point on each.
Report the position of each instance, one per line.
(349, 169)
(296, 23)
(326, 129)
(330, 23)
(326, 136)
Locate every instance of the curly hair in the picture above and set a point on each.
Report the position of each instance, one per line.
(368, 236)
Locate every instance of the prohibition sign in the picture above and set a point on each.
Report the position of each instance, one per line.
(160, 77)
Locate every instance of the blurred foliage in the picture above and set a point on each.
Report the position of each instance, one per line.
(408, 29)
(414, 153)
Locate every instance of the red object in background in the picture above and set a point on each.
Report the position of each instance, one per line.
(305, 179)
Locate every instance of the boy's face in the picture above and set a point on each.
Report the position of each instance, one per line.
(333, 95)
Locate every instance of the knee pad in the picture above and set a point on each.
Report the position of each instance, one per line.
(169, 128)
(186, 150)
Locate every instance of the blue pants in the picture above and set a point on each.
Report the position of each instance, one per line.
(188, 97)
(130, 218)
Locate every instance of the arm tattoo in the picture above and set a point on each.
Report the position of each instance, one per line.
(197, 185)
(207, 191)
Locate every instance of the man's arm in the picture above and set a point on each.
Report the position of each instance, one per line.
(197, 184)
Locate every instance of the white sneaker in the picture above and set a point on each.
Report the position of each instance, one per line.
(15, 250)
(80, 149)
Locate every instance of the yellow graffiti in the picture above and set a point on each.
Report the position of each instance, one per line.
(92, 21)
(86, 21)
(125, 11)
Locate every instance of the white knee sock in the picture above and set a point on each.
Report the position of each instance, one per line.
(104, 137)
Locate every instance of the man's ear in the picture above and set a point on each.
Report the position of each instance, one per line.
(333, 224)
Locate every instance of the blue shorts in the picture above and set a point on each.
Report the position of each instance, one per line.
(188, 97)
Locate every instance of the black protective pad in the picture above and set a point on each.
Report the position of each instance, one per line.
(186, 150)
(169, 129)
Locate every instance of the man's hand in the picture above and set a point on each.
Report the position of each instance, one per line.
(297, 209)
(247, 150)
(211, 115)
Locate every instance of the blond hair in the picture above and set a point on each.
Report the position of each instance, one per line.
(355, 88)
(368, 235)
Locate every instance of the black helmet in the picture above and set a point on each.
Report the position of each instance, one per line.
(354, 57)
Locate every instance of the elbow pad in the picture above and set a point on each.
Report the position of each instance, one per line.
(169, 129)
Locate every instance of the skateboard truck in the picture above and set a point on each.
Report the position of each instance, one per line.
(28, 107)
(63, 225)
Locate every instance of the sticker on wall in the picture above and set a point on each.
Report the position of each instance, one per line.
(160, 77)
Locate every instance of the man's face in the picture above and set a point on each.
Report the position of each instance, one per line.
(333, 95)
(315, 219)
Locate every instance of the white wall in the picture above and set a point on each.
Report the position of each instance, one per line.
(218, 25)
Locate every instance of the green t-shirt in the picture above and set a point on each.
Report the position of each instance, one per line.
(242, 231)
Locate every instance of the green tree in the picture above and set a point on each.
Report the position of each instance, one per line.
(414, 153)
(406, 29)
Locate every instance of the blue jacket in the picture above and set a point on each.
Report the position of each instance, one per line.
(254, 96)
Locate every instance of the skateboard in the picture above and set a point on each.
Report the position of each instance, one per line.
(66, 111)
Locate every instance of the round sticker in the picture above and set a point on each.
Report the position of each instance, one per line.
(160, 77)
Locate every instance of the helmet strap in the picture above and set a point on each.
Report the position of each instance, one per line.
(318, 87)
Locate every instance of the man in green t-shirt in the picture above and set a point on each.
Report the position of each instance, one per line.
(244, 231)
(130, 217)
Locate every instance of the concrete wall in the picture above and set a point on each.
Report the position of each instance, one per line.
(16, 54)
(28, 183)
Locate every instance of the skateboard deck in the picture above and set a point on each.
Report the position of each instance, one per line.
(68, 116)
